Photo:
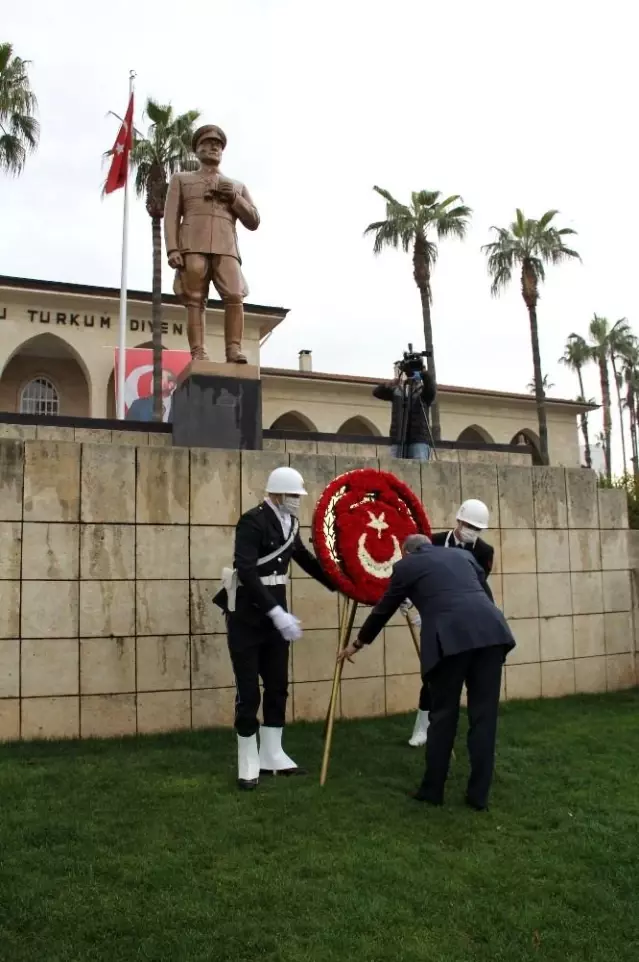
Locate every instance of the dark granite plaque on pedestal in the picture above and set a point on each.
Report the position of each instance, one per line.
(218, 406)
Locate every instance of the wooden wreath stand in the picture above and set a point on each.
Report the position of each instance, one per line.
(347, 619)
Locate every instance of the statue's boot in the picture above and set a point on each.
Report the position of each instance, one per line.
(233, 330)
(195, 332)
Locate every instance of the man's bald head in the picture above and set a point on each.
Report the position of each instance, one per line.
(413, 542)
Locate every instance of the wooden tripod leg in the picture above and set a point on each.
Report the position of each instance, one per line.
(344, 606)
(413, 634)
(346, 627)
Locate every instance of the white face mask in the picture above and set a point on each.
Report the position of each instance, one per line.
(467, 535)
(291, 504)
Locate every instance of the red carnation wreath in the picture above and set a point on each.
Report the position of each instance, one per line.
(359, 524)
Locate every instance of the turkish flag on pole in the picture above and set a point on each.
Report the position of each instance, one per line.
(121, 149)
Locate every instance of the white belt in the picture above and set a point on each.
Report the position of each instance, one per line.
(274, 580)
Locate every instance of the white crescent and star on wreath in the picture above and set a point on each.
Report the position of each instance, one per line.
(378, 569)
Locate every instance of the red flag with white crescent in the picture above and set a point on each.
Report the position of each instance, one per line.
(120, 153)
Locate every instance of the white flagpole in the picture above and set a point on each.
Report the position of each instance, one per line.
(123, 281)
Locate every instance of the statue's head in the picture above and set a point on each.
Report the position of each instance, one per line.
(208, 144)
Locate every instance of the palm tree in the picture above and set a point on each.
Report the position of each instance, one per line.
(606, 340)
(546, 384)
(19, 130)
(622, 343)
(413, 225)
(165, 150)
(630, 376)
(575, 356)
(529, 245)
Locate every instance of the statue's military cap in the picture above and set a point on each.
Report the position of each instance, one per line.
(208, 130)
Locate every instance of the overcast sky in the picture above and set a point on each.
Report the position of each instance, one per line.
(507, 104)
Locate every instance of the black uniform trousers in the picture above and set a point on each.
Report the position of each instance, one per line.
(258, 653)
(481, 670)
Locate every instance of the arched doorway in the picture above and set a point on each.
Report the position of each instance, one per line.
(359, 426)
(528, 439)
(45, 376)
(293, 421)
(474, 434)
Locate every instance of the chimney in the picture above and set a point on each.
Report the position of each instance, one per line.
(306, 360)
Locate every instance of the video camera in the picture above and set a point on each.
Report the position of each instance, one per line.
(412, 362)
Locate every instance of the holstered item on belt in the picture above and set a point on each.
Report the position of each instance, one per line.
(225, 598)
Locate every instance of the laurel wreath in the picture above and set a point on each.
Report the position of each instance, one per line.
(359, 486)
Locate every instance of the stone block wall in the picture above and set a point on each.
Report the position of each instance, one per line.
(110, 555)
(342, 448)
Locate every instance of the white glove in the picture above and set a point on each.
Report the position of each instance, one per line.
(408, 610)
(288, 625)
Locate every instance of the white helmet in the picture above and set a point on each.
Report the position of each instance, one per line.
(285, 481)
(475, 513)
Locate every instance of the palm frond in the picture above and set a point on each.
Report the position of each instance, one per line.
(164, 150)
(388, 197)
(19, 129)
(546, 218)
(12, 154)
(425, 198)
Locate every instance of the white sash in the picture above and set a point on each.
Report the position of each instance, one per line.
(230, 580)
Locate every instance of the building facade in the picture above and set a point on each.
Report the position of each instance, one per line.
(57, 344)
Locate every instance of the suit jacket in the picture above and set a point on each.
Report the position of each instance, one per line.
(447, 589)
(257, 534)
(481, 551)
(142, 410)
(196, 222)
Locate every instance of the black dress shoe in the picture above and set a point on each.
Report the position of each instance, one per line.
(247, 784)
(287, 772)
(475, 805)
(418, 796)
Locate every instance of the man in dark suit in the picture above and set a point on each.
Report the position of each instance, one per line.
(464, 639)
(472, 518)
(142, 408)
(259, 625)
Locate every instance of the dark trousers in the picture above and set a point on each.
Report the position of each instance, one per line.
(481, 670)
(258, 654)
(424, 695)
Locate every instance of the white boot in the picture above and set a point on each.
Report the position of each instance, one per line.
(418, 738)
(248, 762)
(273, 758)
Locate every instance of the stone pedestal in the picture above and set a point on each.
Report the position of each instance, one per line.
(218, 406)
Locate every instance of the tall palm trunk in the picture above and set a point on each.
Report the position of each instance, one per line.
(619, 405)
(421, 273)
(529, 293)
(631, 404)
(604, 380)
(156, 317)
(583, 418)
(633, 431)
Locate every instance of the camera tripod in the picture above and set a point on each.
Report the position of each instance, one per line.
(410, 386)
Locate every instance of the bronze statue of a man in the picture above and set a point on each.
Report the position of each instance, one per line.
(201, 211)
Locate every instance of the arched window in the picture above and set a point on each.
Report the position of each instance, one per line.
(529, 439)
(39, 396)
(358, 426)
(474, 434)
(293, 421)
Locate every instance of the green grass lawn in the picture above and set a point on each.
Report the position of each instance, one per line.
(143, 849)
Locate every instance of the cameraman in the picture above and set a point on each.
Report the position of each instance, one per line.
(417, 392)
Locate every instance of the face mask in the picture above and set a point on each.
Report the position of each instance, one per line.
(291, 504)
(467, 535)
